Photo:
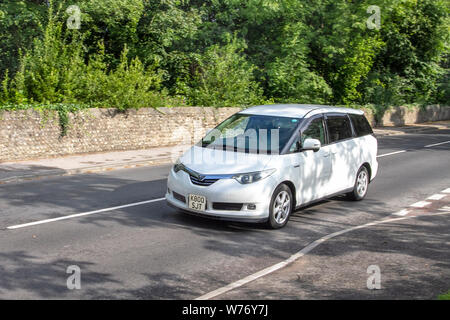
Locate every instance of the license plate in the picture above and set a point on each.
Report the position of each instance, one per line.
(197, 202)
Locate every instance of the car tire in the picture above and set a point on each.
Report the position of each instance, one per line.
(361, 186)
(281, 206)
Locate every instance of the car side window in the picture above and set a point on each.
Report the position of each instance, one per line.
(338, 128)
(315, 130)
(361, 125)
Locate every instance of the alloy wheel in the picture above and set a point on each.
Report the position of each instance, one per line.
(281, 207)
(361, 184)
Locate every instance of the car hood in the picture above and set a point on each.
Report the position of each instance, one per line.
(214, 161)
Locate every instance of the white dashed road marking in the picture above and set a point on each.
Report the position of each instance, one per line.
(436, 196)
(420, 204)
(403, 212)
(316, 243)
(297, 256)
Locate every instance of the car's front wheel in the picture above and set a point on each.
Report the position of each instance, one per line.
(281, 206)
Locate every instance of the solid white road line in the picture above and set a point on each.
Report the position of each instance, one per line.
(420, 204)
(391, 153)
(446, 190)
(436, 196)
(297, 256)
(82, 214)
(436, 144)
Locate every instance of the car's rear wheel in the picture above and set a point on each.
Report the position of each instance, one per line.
(281, 206)
(361, 185)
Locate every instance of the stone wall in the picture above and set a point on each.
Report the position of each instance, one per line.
(401, 116)
(29, 134)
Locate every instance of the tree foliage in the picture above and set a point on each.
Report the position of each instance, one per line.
(133, 53)
(223, 78)
(57, 70)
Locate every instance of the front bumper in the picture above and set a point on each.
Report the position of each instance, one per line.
(223, 191)
(217, 217)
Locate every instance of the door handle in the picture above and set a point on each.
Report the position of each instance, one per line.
(296, 165)
(326, 155)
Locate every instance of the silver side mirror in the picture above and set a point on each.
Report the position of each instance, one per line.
(311, 144)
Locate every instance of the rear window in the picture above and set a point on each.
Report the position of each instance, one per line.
(339, 128)
(361, 125)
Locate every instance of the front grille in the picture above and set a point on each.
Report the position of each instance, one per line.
(228, 206)
(204, 182)
(179, 197)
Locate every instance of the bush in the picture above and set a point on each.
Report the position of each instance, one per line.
(55, 71)
(222, 77)
(129, 85)
(48, 71)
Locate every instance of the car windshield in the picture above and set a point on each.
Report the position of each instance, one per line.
(252, 133)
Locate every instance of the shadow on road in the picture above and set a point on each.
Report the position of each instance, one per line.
(22, 273)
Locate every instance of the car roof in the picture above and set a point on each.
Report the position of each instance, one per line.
(296, 110)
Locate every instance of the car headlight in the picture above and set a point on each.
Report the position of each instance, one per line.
(178, 166)
(246, 178)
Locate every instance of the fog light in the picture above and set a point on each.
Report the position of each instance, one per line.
(251, 206)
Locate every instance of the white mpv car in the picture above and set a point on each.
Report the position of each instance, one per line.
(262, 163)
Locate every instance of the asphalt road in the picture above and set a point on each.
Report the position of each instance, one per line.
(150, 251)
